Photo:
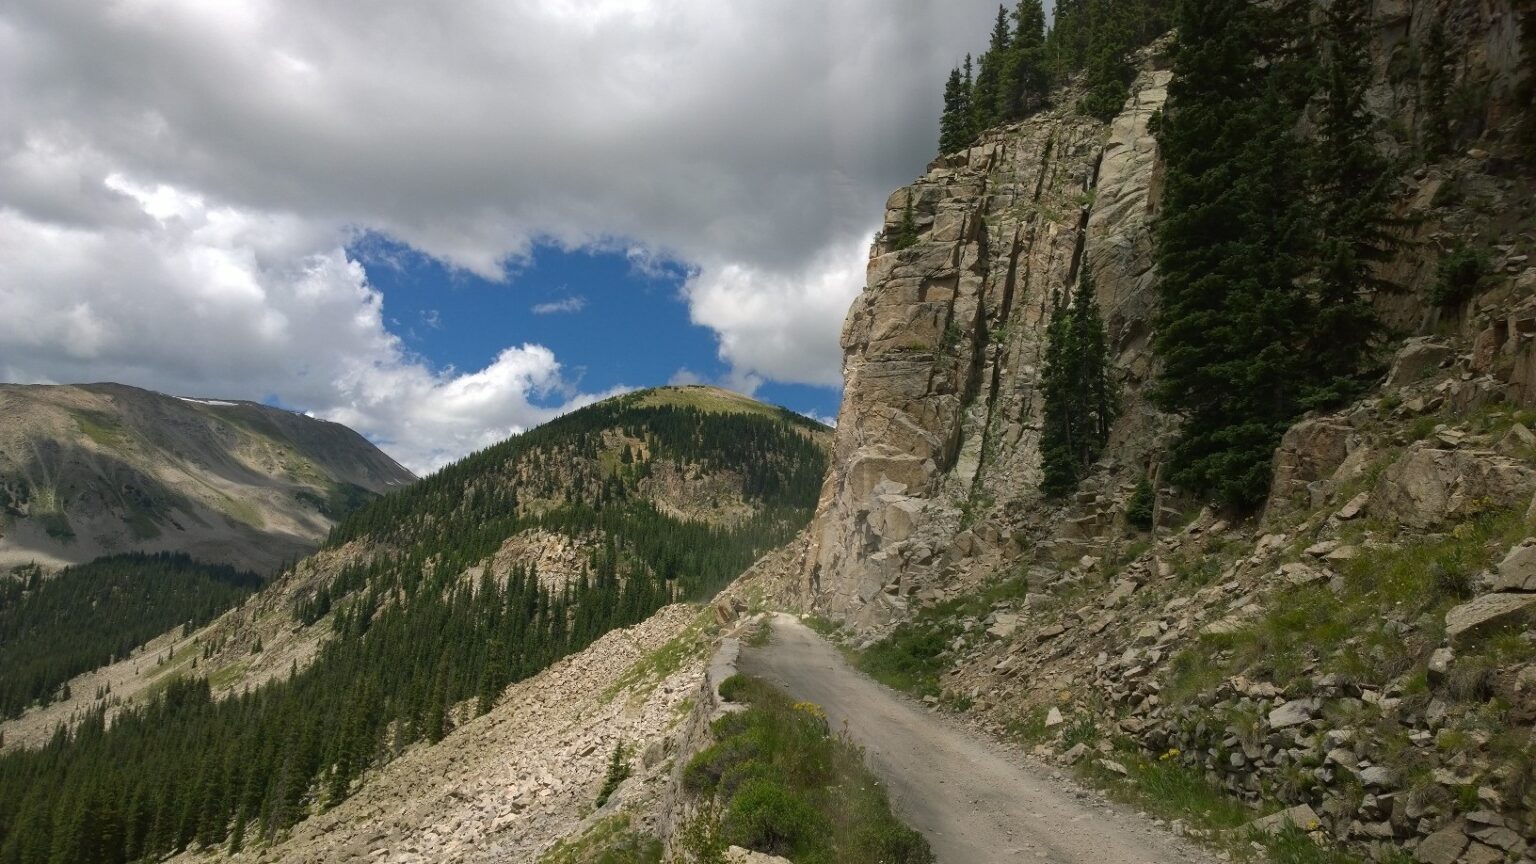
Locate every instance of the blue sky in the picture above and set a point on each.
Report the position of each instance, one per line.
(612, 322)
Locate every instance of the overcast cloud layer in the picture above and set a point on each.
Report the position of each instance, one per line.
(179, 179)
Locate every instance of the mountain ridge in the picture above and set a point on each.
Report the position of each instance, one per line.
(96, 469)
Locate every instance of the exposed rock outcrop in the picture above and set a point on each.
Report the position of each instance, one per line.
(936, 446)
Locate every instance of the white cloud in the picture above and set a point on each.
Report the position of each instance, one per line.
(178, 180)
(557, 307)
(686, 377)
(781, 326)
(214, 301)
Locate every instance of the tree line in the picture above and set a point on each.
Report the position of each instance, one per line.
(1024, 62)
(54, 628)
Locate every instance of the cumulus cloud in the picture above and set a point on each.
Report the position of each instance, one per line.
(561, 306)
(219, 302)
(201, 166)
(781, 325)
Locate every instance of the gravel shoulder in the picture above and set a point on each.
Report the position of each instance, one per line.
(975, 801)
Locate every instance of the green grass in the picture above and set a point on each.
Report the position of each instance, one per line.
(229, 674)
(914, 655)
(761, 634)
(610, 841)
(1411, 581)
(1171, 790)
(243, 512)
(828, 628)
(102, 429)
(778, 781)
(706, 399)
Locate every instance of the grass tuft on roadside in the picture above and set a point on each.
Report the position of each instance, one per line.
(777, 780)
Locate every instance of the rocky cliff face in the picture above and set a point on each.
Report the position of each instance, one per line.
(102, 468)
(936, 455)
(1362, 655)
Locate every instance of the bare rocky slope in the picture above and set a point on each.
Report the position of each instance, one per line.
(98, 469)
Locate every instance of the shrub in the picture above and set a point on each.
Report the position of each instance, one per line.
(1138, 512)
(765, 816)
(1459, 275)
(777, 781)
(618, 772)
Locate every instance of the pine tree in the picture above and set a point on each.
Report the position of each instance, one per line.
(1138, 511)
(1232, 318)
(1351, 188)
(966, 107)
(955, 124)
(1066, 43)
(987, 94)
(1026, 82)
(1109, 70)
(1080, 397)
(618, 772)
(1434, 89)
(1100, 401)
(1058, 467)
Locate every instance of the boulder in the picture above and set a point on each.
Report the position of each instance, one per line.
(1310, 451)
(1376, 777)
(1477, 853)
(728, 609)
(1050, 633)
(1428, 487)
(1442, 847)
(1517, 572)
(1518, 441)
(1355, 506)
(1488, 613)
(1294, 713)
(1417, 359)
(1300, 816)
(1439, 666)
(1003, 626)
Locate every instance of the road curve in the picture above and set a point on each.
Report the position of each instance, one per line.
(974, 801)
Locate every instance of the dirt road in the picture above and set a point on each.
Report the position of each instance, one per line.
(975, 802)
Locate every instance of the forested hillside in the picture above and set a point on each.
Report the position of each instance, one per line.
(429, 626)
(54, 628)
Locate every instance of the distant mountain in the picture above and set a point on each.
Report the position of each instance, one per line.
(100, 469)
(420, 608)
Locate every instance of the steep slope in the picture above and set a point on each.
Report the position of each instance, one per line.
(421, 608)
(52, 629)
(936, 455)
(100, 469)
(1359, 658)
